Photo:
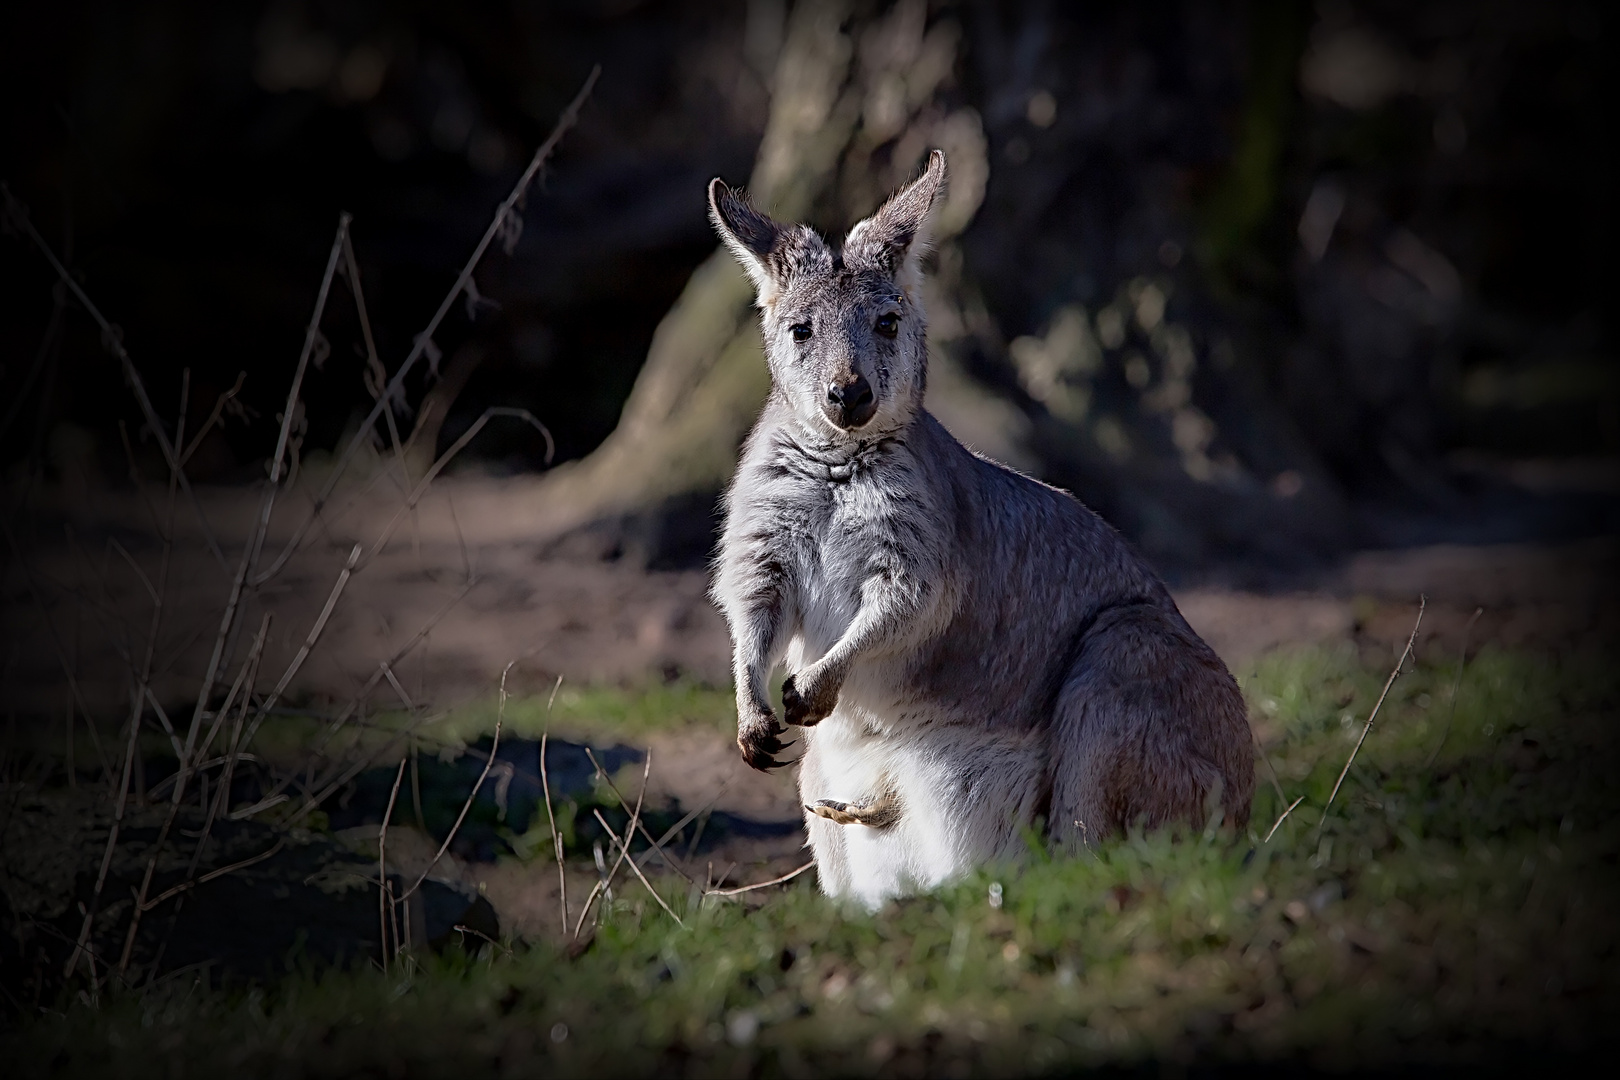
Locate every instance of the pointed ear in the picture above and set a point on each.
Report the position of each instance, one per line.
(895, 239)
(751, 236)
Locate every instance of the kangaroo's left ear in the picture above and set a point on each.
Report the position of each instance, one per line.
(895, 239)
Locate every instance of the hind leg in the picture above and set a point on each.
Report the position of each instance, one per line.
(1150, 728)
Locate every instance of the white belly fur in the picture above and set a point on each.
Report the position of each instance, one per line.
(944, 831)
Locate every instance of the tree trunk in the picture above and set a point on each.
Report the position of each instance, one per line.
(853, 113)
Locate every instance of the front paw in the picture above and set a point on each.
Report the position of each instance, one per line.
(760, 742)
(810, 706)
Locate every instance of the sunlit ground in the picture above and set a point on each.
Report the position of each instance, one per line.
(1455, 904)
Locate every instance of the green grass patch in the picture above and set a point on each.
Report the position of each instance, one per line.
(592, 713)
(1455, 911)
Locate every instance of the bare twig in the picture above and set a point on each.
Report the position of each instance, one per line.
(463, 929)
(163, 785)
(142, 692)
(1281, 818)
(504, 222)
(182, 771)
(327, 784)
(1271, 769)
(82, 945)
(52, 329)
(50, 625)
(789, 876)
(212, 874)
(112, 340)
(220, 403)
(551, 818)
(494, 748)
(250, 551)
(382, 866)
(222, 793)
(1456, 685)
(630, 830)
(445, 458)
(1423, 602)
(643, 877)
(657, 845)
(307, 647)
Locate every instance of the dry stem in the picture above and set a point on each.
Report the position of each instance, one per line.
(789, 876)
(1423, 602)
(551, 819)
(112, 340)
(1275, 825)
(250, 552)
(382, 866)
(657, 845)
(1456, 685)
(643, 877)
(463, 280)
(494, 748)
(606, 882)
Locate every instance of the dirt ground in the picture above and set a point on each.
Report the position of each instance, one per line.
(476, 568)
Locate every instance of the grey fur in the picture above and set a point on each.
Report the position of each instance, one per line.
(969, 650)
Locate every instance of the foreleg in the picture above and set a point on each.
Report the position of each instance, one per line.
(896, 603)
(758, 616)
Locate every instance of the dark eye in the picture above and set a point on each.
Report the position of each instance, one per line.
(800, 331)
(888, 325)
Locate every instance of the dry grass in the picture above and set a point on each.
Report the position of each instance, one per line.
(245, 706)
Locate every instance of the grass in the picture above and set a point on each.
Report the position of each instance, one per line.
(1459, 911)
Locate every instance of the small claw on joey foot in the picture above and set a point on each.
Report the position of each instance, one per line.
(760, 745)
(800, 711)
(875, 813)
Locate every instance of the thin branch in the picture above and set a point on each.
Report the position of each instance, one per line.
(1275, 825)
(630, 830)
(52, 328)
(307, 647)
(81, 946)
(163, 785)
(250, 552)
(1456, 685)
(656, 845)
(382, 865)
(551, 819)
(643, 877)
(343, 717)
(183, 772)
(220, 403)
(789, 876)
(56, 639)
(212, 874)
(505, 212)
(1423, 602)
(494, 748)
(146, 582)
(112, 340)
(222, 793)
(444, 459)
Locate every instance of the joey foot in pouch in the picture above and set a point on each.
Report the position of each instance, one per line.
(878, 812)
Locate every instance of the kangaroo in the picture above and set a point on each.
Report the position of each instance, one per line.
(969, 651)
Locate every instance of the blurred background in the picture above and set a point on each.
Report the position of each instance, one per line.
(1264, 283)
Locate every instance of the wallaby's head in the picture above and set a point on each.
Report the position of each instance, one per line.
(845, 335)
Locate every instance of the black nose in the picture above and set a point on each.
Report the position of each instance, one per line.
(853, 400)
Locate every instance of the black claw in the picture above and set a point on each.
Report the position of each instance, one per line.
(760, 750)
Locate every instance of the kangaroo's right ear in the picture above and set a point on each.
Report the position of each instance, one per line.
(752, 237)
